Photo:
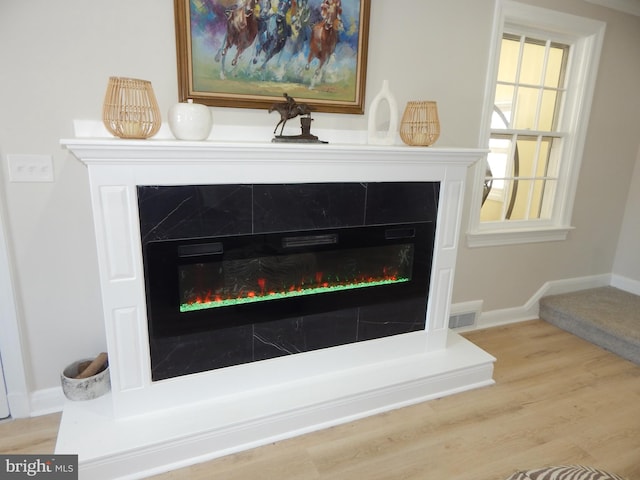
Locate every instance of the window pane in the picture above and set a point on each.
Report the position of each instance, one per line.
(498, 158)
(498, 163)
(526, 107)
(503, 101)
(518, 200)
(541, 189)
(494, 207)
(491, 211)
(548, 110)
(525, 161)
(509, 52)
(547, 200)
(532, 62)
(554, 156)
(509, 203)
(555, 66)
(543, 158)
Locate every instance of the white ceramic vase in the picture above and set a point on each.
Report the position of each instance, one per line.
(387, 137)
(190, 121)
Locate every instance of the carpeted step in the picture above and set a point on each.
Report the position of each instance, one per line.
(606, 316)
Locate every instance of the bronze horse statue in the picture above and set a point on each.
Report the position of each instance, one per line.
(288, 110)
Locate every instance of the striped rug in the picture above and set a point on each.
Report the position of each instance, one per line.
(564, 472)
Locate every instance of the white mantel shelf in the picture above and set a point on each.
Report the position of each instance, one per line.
(143, 427)
(108, 150)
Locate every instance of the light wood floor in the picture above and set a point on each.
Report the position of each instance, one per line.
(558, 400)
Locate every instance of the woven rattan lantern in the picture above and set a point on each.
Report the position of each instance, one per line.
(130, 108)
(420, 124)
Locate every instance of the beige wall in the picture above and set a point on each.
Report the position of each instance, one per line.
(56, 58)
(627, 261)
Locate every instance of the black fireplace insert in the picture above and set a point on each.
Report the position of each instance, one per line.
(221, 282)
(241, 273)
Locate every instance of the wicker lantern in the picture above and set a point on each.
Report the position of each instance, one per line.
(420, 124)
(130, 108)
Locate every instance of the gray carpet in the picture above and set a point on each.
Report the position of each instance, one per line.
(606, 316)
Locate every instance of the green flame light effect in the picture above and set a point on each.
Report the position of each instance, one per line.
(202, 305)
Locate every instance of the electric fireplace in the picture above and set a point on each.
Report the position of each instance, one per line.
(317, 267)
(219, 216)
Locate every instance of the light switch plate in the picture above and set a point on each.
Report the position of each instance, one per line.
(30, 168)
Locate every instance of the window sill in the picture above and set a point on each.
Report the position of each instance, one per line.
(514, 237)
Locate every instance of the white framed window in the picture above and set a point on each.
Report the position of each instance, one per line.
(540, 82)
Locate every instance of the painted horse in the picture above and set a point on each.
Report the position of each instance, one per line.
(273, 30)
(325, 36)
(242, 29)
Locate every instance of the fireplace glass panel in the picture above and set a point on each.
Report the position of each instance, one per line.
(225, 283)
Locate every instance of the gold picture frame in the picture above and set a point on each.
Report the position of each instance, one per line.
(281, 45)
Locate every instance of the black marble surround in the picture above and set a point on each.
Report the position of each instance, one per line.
(198, 211)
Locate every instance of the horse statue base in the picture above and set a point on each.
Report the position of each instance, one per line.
(304, 137)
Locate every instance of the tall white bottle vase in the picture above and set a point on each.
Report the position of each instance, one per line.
(376, 137)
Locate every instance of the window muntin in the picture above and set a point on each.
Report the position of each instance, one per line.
(524, 137)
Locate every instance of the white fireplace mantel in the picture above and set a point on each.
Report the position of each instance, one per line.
(143, 426)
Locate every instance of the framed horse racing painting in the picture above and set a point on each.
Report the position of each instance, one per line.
(249, 53)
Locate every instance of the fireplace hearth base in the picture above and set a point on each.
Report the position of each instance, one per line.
(140, 446)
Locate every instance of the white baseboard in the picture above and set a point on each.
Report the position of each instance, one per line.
(46, 401)
(465, 307)
(530, 310)
(505, 316)
(557, 287)
(19, 405)
(626, 284)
